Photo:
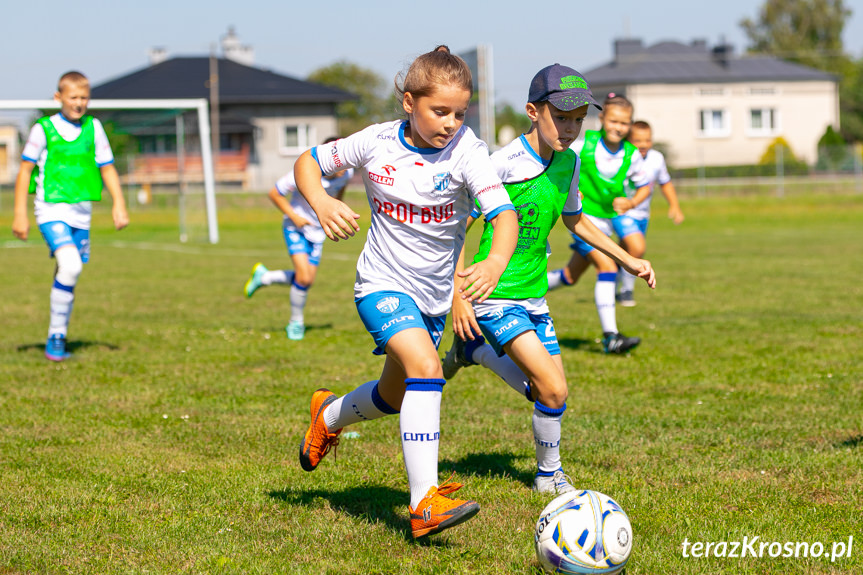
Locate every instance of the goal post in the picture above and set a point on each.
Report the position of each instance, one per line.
(199, 104)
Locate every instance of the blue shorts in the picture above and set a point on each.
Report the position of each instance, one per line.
(59, 234)
(503, 326)
(605, 225)
(627, 225)
(298, 244)
(385, 313)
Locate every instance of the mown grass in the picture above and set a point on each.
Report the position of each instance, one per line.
(168, 443)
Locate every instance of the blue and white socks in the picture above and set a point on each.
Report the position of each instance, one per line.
(604, 296)
(557, 278)
(503, 366)
(546, 437)
(362, 404)
(419, 424)
(62, 298)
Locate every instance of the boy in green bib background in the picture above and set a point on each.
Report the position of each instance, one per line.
(66, 162)
(541, 175)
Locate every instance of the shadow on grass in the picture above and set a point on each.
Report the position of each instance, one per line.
(309, 327)
(580, 344)
(372, 503)
(488, 465)
(71, 346)
(853, 442)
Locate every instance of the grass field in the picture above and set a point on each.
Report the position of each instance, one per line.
(168, 444)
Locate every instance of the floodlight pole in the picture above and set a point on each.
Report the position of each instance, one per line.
(156, 104)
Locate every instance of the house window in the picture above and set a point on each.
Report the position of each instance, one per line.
(713, 123)
(762, 122)
(711, 91)
(296, 138)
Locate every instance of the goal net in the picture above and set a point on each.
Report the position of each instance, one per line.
(163, 154)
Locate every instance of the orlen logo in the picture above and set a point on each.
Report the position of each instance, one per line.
(388, 169)
(382, 180)
(388, 304)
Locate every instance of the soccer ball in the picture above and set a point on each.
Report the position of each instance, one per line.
(583, 532)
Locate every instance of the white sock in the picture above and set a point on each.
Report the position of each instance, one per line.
(277, 277)
(62, 298)
(362, 404)
(504, 367)
(546, 436)
(419, 424)
(69, 267)
(627, 280)
(556, 279)
(604, 296)
(298, 301)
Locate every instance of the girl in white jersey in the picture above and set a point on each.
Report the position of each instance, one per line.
(631, 227)
(422, 177)
(304, 237)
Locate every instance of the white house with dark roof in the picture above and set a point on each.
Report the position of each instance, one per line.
(266, 120)
(711, 107)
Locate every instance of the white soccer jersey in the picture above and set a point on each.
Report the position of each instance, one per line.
(608, 164)
(657, 173)
(76, 215)
(287, 185)
(419, 199)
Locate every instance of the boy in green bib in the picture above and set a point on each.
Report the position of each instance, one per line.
(541, 175)
(66, 162)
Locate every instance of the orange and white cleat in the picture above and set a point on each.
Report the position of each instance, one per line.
(318, 439)
(437, 512)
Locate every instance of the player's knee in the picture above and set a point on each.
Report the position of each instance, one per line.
(304, 281)
(552, 394)
(428, 367)
(69, 266)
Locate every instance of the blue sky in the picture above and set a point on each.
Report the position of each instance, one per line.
(106, 39)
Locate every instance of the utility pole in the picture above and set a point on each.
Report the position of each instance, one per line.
(214, 102)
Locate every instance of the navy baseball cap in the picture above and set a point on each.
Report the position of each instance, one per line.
(562, 86)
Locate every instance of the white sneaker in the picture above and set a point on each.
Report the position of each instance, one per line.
(557, 483)
(295, 330)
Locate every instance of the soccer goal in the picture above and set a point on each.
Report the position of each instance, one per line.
(177, 106)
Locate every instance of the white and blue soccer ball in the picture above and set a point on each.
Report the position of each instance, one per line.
(583, 532)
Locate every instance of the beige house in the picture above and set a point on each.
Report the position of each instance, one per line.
(710, 107)
(9, 153)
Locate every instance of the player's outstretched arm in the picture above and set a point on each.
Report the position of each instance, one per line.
(285, 207)
(481, 278)
(674, 212)
(20, 219)
(585, 229)
(111, 179)
(337, 218)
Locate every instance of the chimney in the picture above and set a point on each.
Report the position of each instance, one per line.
(627, 48)
(157, 55)
(722, 53)
(233, 50)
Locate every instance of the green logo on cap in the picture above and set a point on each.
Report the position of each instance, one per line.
(569, 82)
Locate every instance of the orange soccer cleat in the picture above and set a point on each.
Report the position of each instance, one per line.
(437, 512)
(318, 439)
